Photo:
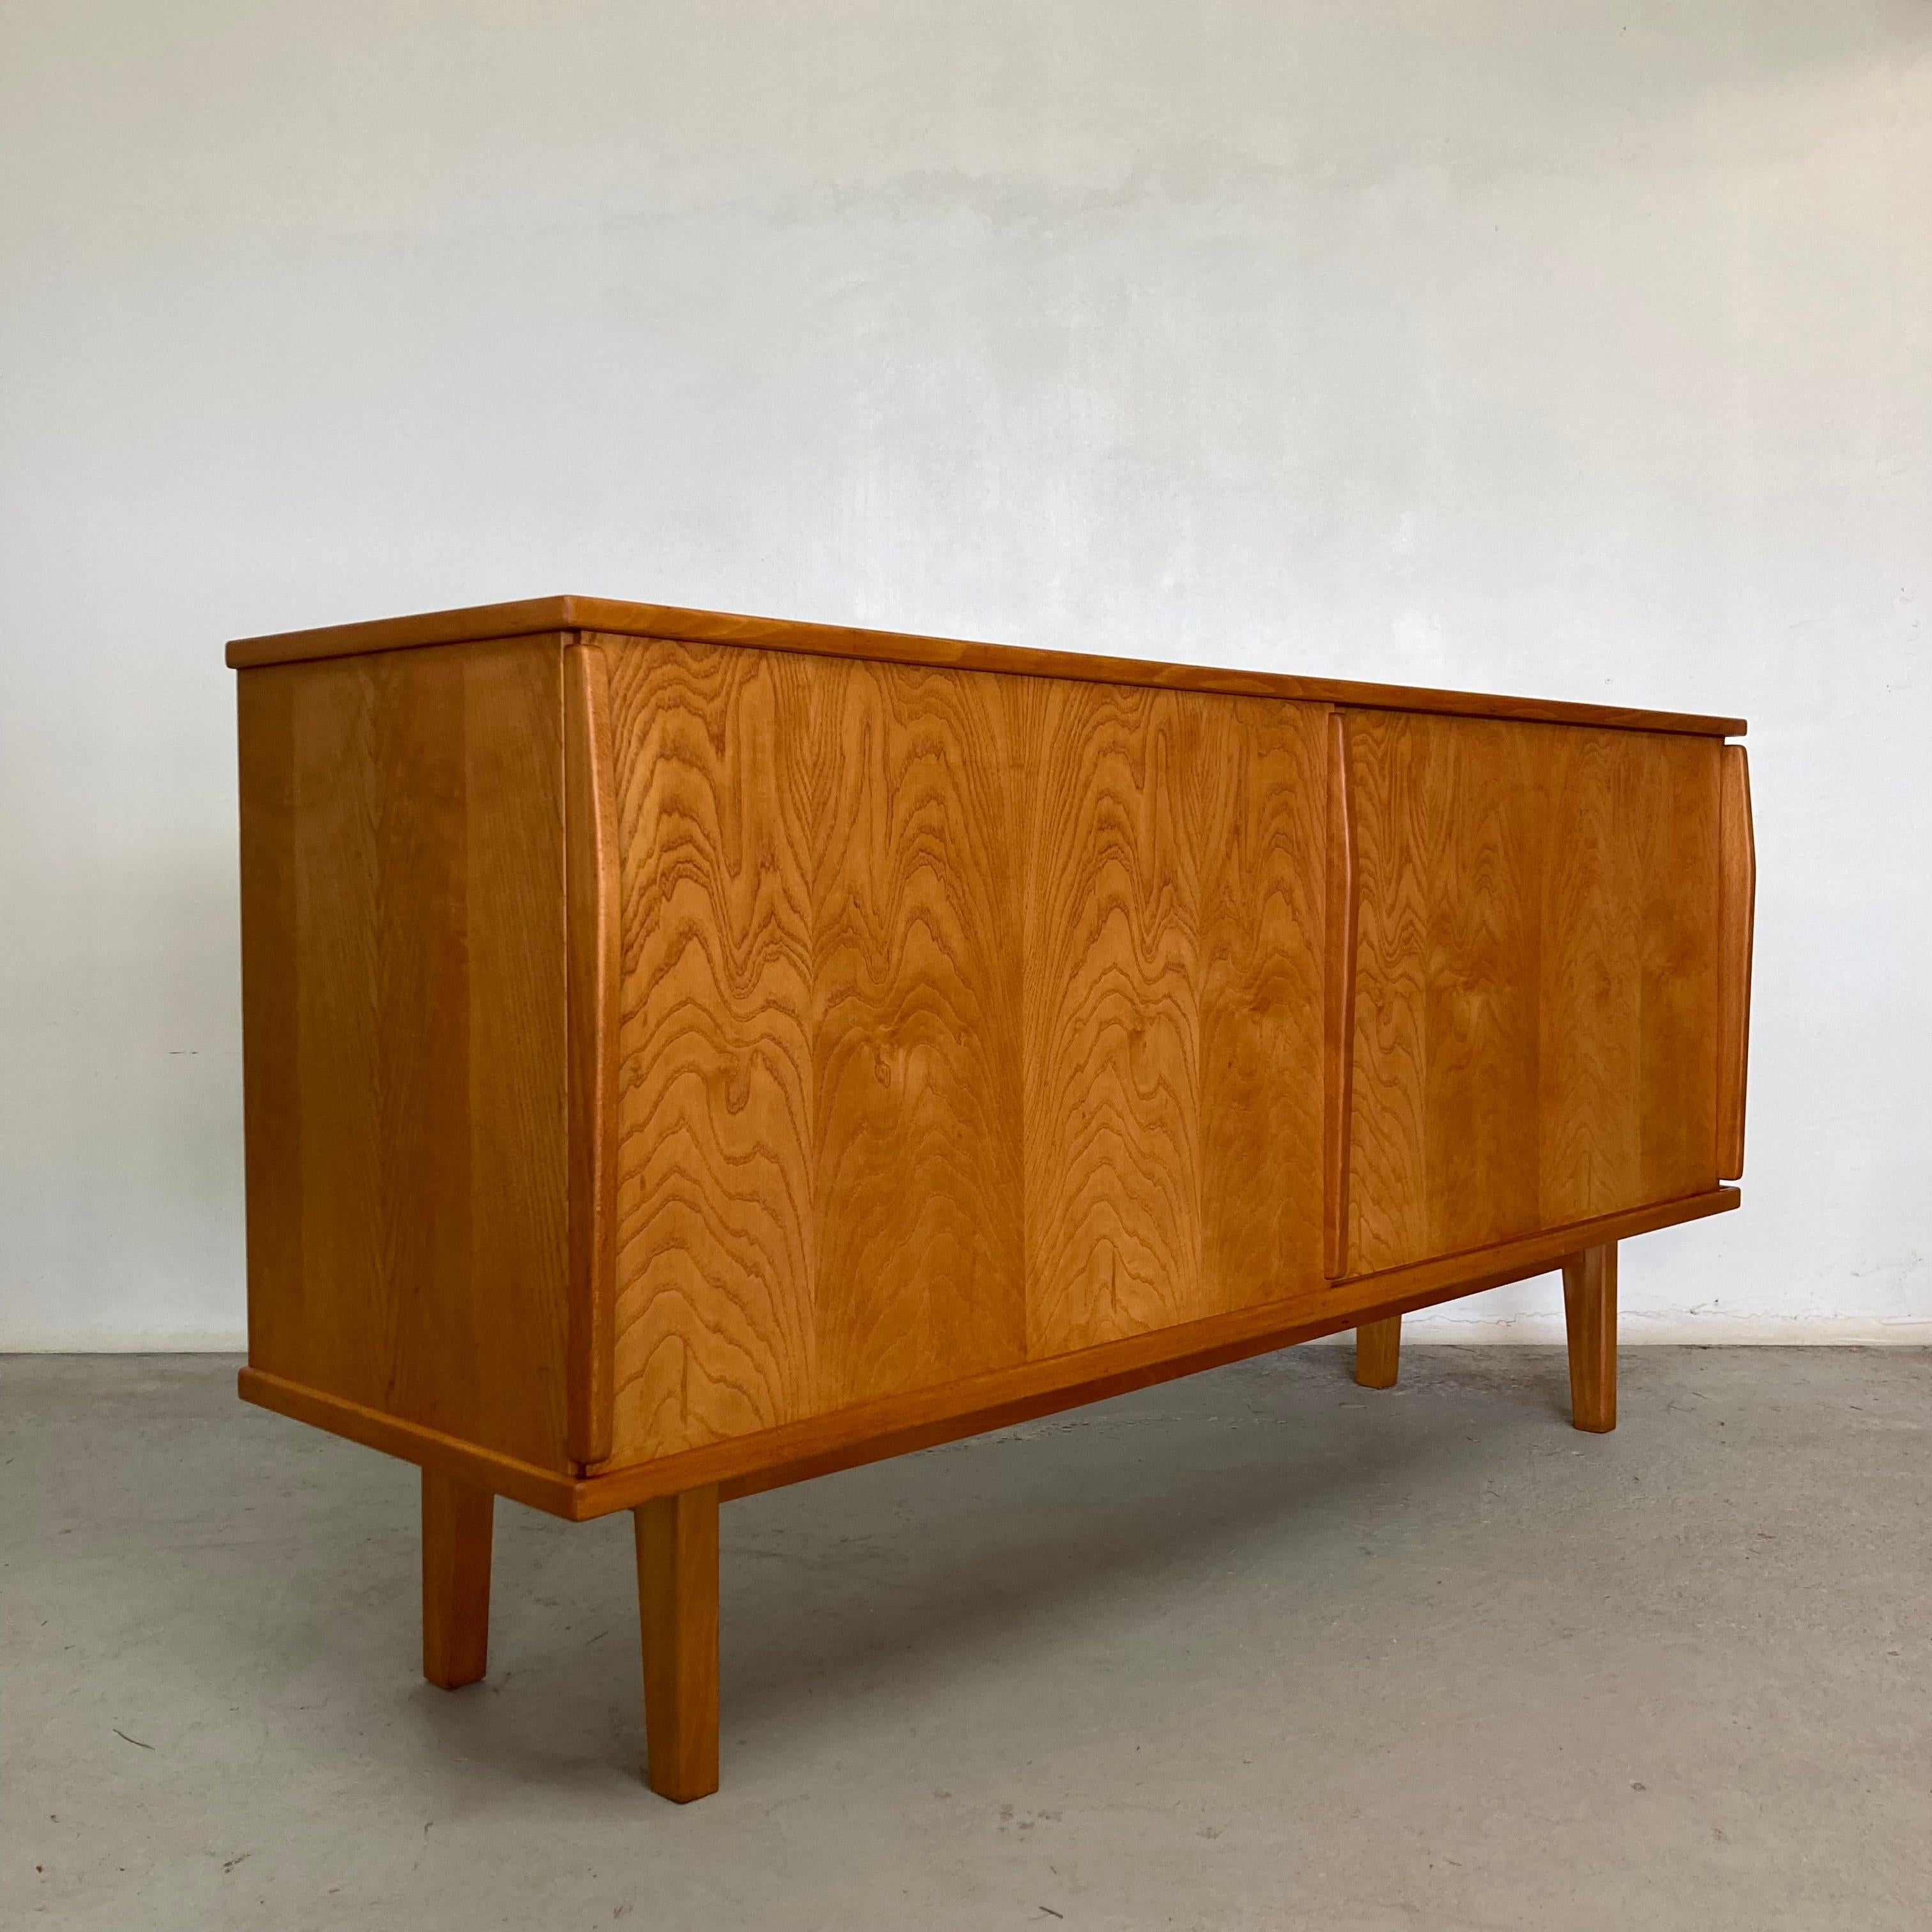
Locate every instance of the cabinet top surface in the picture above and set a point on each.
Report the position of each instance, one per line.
(541, 614)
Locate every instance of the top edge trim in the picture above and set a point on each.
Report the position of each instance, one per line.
(539, 614)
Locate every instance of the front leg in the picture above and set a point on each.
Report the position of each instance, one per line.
(1590, 1316)
(677, 1598)
(1378, 1352)
(456, 1523)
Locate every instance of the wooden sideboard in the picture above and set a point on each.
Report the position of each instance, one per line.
(686, 1054)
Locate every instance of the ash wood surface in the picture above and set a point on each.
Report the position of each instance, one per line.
(677, 1601)
(1378, 1353)
(594, 964)
(1590, 1318)
(911, 1236)
(1537, 983)
(1172, 1044)
(964, 1021)
(551, 614)
(1260, 965)
(403, 999)
(1737, 858)
(1112, 1046)
(458, 1524)
(653, 1046)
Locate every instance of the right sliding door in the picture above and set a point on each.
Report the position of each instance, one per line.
(1536, 984)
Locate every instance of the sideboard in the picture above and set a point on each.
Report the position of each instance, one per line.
(686, 1054)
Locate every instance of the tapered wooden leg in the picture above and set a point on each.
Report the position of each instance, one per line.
(1377, 1352)
(677, 1597)
(457, 1521)
(1590, 1314)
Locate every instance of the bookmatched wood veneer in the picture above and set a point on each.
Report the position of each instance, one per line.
(686, 1054)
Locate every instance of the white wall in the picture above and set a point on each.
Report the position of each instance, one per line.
(1582, 350)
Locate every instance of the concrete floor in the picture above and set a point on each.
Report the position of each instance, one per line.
(1259, 1649)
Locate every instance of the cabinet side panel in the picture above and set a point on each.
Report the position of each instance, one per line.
(518, 1292)
(594, 957)
(271, 1057)
(402, 937)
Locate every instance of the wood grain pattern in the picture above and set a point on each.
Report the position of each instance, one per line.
(458, 1522)
(595, 962)
(1262, 954)
(403, 999)
(1378, 1353)
(898, 1425)
(1536, 982)
(917, 1206)
(1338, 1004)
(965, 1021)
(1112, 1046)
(716, 775)
(1590, 1319)
(550, 614)
(821, 1038)
(677, 1599)
(1738, 909)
